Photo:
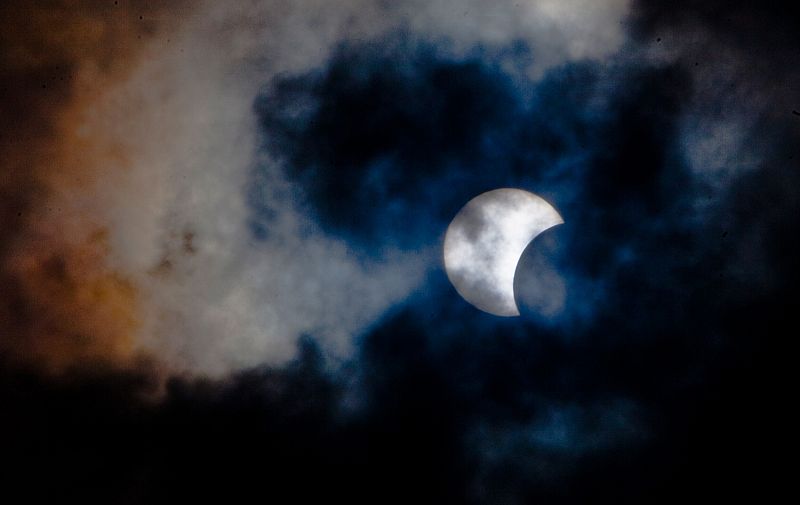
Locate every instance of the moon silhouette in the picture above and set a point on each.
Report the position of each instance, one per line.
(485, 241)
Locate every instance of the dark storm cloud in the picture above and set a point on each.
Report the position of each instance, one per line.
(660, 317)
(750, 29)
(382, 128)
(263, 433)
(101, 436)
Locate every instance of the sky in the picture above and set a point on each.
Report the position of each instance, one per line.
(221, 266)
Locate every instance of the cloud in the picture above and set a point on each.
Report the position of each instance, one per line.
(221, 287)
(315, 345)
(60, 303)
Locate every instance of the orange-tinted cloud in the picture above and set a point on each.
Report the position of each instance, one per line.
(61, 305)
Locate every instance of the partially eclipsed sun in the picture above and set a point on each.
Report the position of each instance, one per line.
(485, 241)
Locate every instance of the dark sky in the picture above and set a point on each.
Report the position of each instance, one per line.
(665, 378)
